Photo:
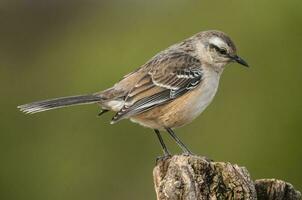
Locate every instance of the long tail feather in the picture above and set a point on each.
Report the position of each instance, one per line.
(50, 104)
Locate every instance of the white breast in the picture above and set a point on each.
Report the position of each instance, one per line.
(207, 91)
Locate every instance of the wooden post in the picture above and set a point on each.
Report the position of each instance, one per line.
(194, 178)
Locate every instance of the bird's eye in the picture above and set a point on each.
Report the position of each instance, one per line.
(222, 51)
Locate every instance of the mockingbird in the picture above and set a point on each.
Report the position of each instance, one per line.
(168, 91)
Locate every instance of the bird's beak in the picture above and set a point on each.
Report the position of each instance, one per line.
(239, 60)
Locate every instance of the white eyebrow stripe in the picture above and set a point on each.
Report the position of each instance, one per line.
(217, 41)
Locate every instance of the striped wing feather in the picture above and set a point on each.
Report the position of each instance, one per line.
(169, 77)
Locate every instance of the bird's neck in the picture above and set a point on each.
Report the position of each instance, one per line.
(218, 68)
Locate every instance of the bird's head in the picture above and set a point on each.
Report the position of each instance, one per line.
(217, 49)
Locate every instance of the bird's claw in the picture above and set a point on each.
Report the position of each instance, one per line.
(163, 157)
(188, 153)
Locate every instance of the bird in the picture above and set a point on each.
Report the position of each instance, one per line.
(168, 91)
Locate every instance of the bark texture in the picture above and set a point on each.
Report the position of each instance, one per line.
(195, 178)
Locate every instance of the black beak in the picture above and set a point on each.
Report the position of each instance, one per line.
(239, 60)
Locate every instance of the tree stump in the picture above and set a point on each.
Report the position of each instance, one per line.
(192, 177)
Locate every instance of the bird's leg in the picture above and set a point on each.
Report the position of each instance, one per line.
(185, 149)
(164, 147)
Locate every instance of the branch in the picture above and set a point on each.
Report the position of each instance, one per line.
(194, 178)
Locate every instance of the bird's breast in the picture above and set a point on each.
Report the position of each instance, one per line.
(196, 101)
(204, 94)
(184, 109)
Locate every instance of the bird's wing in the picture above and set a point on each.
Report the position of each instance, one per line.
(168, 77)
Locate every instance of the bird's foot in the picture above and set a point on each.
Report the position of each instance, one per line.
(207, 159)
(163, 157)
(189, 153)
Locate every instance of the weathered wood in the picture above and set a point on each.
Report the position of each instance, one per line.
(273, 189)
(195, 178)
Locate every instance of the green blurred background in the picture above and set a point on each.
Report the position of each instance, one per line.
(59, 48)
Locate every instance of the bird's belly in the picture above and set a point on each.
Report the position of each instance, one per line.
(180, 111)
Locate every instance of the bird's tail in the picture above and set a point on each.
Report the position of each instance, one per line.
(50, 104)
